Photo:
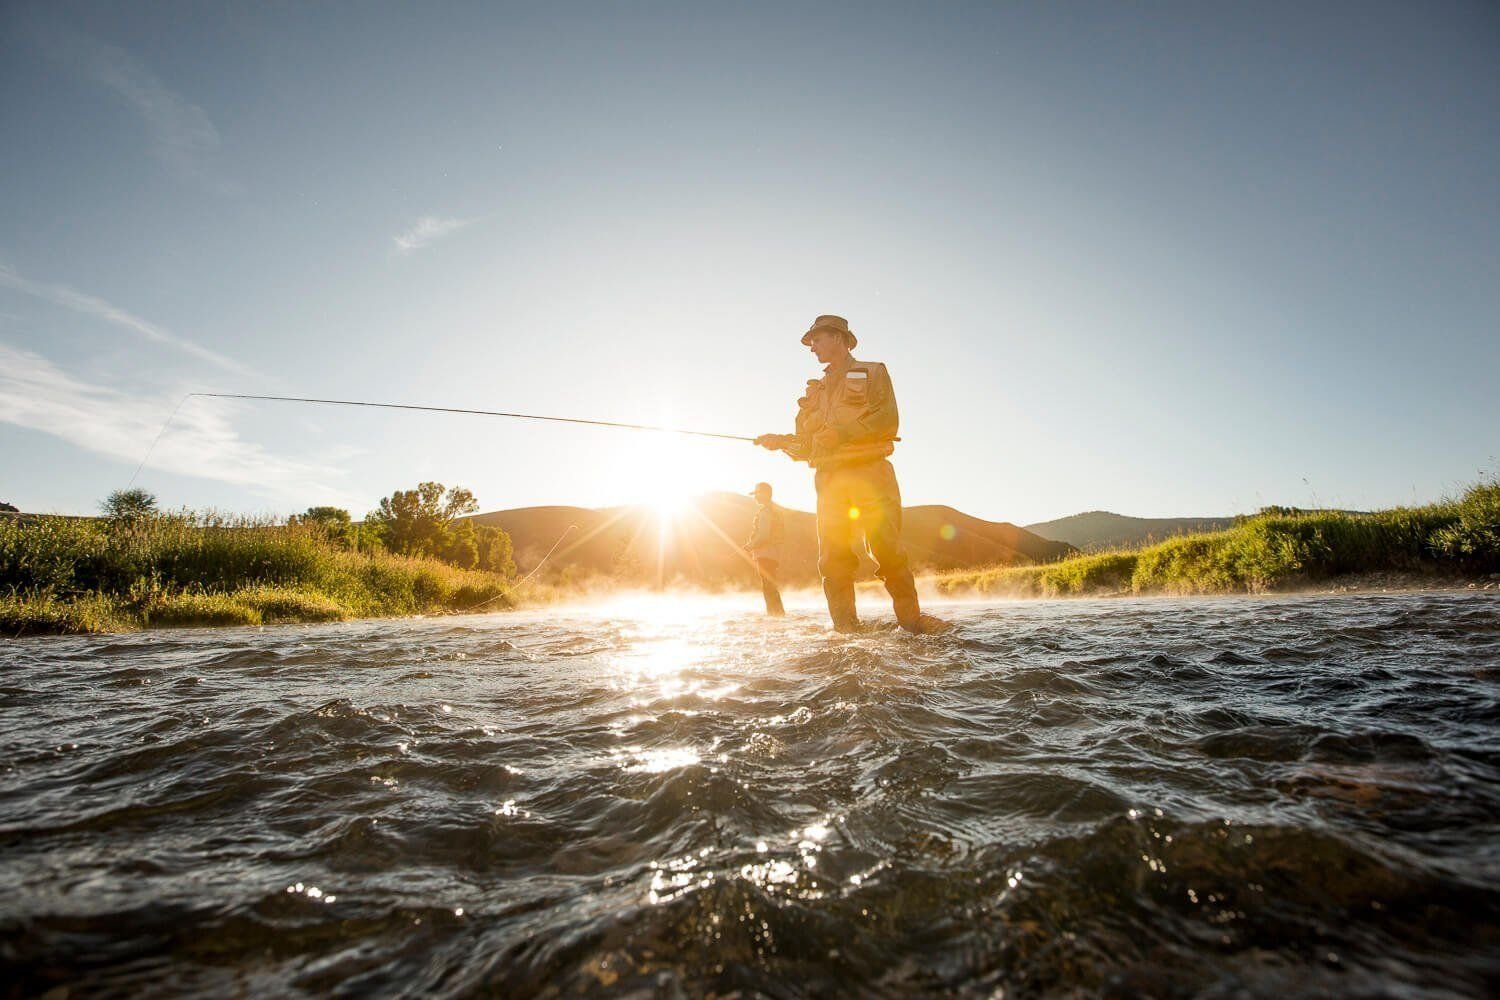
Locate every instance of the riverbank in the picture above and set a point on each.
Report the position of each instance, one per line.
(69, 575)
(1451, 545)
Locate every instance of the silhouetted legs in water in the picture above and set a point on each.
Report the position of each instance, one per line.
(768, 587)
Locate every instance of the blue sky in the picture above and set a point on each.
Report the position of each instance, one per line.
(1158, 259)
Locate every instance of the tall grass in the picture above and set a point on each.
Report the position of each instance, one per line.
(1473, 539)
(1458, 536)
(81, 575)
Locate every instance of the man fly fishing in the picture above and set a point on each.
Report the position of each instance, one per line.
(846, 429)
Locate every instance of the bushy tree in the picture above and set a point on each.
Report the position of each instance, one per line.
(335, 522)
(367, 538)
(416, 522)
(461, 546)
(329, 517)
(125, 506)
(496, 553)
(432, 521)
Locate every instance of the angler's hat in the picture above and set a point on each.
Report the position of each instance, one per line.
(834, 324)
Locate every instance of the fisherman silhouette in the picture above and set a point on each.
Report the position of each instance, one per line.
(767, 535)
(846, 430)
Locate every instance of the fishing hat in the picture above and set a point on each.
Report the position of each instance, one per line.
(833, 324)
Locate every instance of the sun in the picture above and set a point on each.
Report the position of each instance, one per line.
(665, 476)
(669, 507)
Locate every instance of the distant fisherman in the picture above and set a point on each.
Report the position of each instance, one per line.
(767, 535)
(846, 429)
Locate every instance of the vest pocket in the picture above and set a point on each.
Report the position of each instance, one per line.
(856, 388)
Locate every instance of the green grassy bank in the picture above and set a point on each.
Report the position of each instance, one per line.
(65, 575)
(1271, 551)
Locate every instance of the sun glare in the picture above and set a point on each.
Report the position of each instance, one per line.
(665, 477)
(669, 506)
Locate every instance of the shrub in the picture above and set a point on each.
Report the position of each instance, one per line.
(128, 505)
(1473, 537)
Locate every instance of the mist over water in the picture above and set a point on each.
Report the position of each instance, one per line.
(1213, 797)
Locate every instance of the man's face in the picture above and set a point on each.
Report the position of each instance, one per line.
(762, 497)
(827, 346)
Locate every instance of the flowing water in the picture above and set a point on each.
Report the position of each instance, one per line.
(1221, 797)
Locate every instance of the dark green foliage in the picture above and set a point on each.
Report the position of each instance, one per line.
(418, 522)
(335, 522)
(431, 521)
(128, 505)
(460, 545)
(496, 554)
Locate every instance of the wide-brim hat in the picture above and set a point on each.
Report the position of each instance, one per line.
(833, 324)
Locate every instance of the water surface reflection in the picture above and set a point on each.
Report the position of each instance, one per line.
(1294, 795)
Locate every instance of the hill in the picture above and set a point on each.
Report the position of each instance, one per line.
(1101, 529)
(701, 544)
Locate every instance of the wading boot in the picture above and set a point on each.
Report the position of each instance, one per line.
(841, 605)
(909, 612)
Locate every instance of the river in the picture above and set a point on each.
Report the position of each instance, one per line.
(1222, 797)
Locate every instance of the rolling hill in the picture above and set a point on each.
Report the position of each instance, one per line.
(1100, 529)
(702, 544)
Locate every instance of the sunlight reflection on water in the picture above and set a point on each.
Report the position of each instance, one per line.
(667, 794)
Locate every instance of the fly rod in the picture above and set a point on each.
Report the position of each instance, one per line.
(429, 409)
(480, 413)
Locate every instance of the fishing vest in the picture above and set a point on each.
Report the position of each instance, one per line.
(859, 405)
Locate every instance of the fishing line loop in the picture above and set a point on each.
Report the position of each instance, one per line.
(522, 582)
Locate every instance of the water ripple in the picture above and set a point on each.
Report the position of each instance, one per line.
(1168, 797)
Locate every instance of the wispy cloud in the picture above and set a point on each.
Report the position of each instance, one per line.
(97, 308)
(183, 137)
(36, 394)
(428, 229)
